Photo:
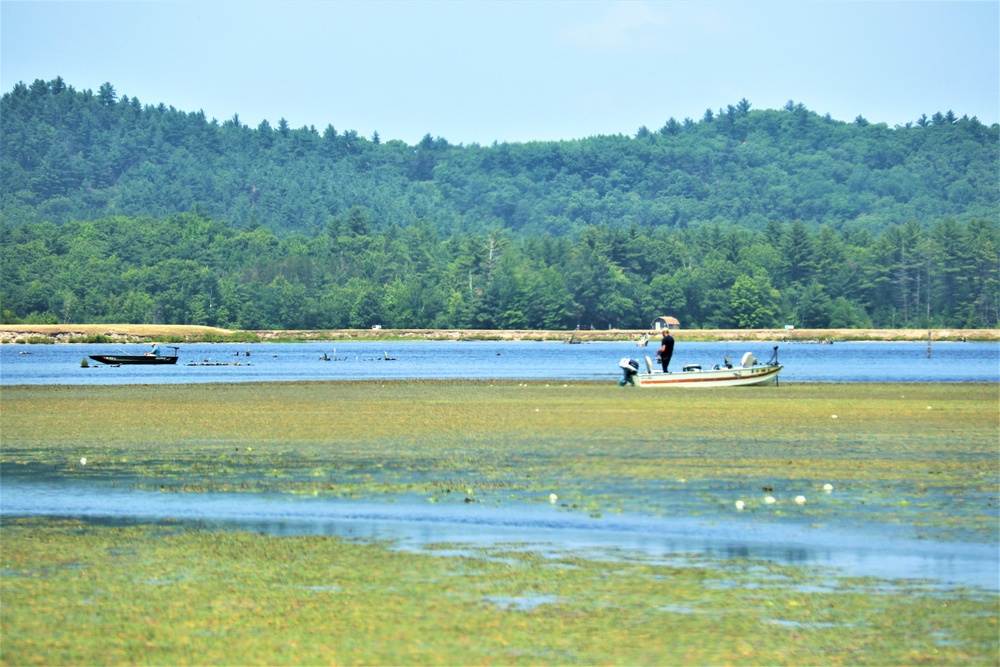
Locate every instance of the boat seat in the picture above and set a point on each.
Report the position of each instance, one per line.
(649, 365)
(748, 360)
(692, 367)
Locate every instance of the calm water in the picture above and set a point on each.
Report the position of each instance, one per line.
(841, 362)
(855, 548)
(863, 550)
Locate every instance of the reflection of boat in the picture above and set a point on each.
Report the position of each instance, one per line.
(750, 372)
(143, 359)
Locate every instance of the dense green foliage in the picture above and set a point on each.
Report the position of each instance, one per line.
(188, 269)
(70, 155)
(118, 212)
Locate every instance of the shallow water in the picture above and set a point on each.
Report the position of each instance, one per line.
(864, 550)
(854, 547)
(841, 362)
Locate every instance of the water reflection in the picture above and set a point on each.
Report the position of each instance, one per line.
(867, 550)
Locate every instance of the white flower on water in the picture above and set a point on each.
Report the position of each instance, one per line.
(800, 500)
(769, 500)
(828, 487)
(740, 505)
(83, 460)
(553, 497)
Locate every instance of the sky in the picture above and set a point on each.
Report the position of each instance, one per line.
(479, 71)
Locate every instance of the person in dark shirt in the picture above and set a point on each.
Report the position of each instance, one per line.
(666, 350)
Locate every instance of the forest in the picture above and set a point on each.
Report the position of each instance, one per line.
(190, 269)
(115, 211)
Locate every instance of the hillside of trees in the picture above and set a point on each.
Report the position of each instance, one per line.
(70, 155)
(115, 211)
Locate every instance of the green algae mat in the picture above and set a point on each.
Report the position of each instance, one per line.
(74, 594)
(920, 459)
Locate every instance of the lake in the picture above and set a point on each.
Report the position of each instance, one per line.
(864, 548)
(277, 362)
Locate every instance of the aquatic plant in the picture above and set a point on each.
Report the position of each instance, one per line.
(599, 449)
(77, 593)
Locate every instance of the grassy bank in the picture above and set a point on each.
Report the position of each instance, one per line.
(144, 333)
(920, 459)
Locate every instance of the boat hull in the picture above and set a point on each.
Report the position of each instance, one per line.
(722, 377)
(132, 359)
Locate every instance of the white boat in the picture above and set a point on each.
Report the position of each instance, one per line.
(749, 373)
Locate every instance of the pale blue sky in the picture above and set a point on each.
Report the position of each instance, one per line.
(479, 71)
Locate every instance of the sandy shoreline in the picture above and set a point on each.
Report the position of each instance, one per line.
(85, 333)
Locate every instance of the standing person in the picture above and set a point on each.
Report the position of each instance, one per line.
(666, 350)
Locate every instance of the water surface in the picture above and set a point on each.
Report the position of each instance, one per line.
(865, 550)
(862, 548)
(840, 362)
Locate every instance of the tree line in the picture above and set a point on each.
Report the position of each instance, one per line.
(189, 268)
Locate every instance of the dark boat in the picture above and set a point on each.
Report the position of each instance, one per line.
(143, 359)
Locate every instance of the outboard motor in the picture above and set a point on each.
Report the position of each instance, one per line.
(629, 369)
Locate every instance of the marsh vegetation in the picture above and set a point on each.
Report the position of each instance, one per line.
(918, 459)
